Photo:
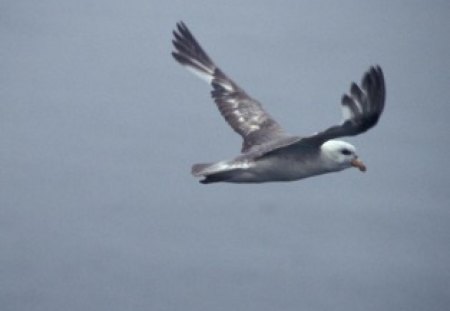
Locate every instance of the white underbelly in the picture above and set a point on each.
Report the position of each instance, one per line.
(281, 169)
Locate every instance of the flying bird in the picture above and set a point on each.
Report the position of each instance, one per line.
(268, 152)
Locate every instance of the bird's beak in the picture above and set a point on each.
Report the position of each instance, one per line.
(359, 164)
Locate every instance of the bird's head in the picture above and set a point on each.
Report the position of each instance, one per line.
(340, 155)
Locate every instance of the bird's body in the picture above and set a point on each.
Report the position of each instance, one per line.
(268, 152)
(278, 167)
(285, 164)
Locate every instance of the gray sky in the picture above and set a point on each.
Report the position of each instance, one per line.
(99, 128)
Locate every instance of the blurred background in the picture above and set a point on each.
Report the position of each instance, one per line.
(99, 127)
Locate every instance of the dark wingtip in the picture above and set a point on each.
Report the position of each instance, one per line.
(175, 56)
(180, 30)
(180, 25)
(378, 68)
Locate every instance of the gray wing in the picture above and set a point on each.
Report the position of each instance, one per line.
(361, 108)
(244, 114)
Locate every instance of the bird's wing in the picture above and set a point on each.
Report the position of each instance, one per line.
(361, 108)
(244, 114)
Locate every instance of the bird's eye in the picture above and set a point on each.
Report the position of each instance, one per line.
(346, 152)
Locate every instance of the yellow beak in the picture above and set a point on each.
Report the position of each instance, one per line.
(359, 164)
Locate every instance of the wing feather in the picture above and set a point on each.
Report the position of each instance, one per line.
(244, 114)
(361, 108)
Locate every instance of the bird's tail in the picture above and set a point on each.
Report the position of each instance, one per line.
(200, 169)
(215, 172)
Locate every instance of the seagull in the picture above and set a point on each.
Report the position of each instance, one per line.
(269, 153)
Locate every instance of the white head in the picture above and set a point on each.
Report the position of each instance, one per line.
(339, 155)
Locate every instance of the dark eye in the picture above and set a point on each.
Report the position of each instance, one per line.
(346, 152)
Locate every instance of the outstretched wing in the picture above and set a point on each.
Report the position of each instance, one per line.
(244, 114)
(361, 108)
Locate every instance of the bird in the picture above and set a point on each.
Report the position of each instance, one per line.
(269, 153)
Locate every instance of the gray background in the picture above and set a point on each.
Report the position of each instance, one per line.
(99, 128)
